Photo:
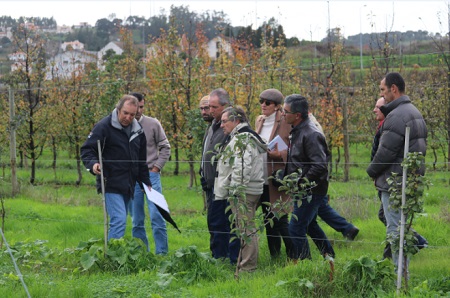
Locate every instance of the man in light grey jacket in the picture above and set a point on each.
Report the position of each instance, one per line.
(240, 165)
(158, 153)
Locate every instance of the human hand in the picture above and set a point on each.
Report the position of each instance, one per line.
(274, 153)
(96, 169)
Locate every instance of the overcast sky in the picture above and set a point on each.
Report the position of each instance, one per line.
(303, 19)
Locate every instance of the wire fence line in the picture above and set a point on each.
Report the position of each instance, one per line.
(69, 164)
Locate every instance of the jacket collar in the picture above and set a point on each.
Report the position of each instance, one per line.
(245, 128)
(389, 107)
(136, 128)
(300, 125)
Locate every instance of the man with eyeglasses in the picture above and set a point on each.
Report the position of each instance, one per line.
(204, 109)
(206, 115)
(307, 152)
(217, 219)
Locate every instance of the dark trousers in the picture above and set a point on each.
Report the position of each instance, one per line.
(219, 230)
(333, 218)
(306, 223)
(279, 230)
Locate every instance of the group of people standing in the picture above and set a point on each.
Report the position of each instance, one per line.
(252, 165)
(236, 163)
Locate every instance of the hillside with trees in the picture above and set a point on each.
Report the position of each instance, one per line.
(176, 72)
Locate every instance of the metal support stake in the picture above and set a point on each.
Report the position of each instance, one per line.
(105, 216)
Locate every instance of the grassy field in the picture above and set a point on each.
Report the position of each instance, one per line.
(63, 216)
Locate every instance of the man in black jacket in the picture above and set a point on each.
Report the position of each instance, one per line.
(308, 152)
(124, 154)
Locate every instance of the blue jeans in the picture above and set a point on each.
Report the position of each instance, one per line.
(334, 219)
(306, 223)
(137, 210)
(392, 225)
(116, 207)
(219, 229)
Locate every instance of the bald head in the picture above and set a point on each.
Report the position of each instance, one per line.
(204, 109)
(378, 114)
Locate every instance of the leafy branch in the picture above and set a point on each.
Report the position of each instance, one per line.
(414, 189)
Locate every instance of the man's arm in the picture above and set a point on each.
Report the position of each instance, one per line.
(143, 177)
(163, 147)
(315, 148)
(390, 144)
(89, 151)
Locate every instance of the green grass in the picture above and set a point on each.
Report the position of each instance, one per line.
(64, 215)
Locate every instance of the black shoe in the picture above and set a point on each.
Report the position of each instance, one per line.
(421, 241)
(387, 253)
(351, 235)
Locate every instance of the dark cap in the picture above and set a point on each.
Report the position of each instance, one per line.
(273, 95)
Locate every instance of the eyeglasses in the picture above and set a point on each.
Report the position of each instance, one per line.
(288, 112)
(266, 102)
(226, 120)
(204, 108)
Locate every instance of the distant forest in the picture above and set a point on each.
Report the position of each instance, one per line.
(185, 21)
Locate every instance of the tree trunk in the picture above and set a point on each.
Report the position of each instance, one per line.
(78, 158)
(191, 172)
(346, 140)
(32, 155)
(448, 119)
(55, 154)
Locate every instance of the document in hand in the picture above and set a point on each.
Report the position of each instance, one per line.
(157, 198)
(161, 204)
(277, 140)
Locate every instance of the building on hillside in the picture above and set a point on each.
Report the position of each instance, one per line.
(18, 59)
(31, 26)
(218, 45)
(6, 32)
(64, 29)
(115, 46)
(74, 45)
(82, 25)
(66, 64)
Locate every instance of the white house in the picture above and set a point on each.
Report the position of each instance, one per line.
(64, 29)
(18, 59)
(6, 32)
(66, 64)
(218, 45)
(112, 45)
(75, 45)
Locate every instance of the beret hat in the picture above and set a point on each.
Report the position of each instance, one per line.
(273, 95)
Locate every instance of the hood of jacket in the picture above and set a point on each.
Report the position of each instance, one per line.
(257, 140)
(136, 128)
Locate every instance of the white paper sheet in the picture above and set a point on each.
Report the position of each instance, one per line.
(277, 140)
(157, 198)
